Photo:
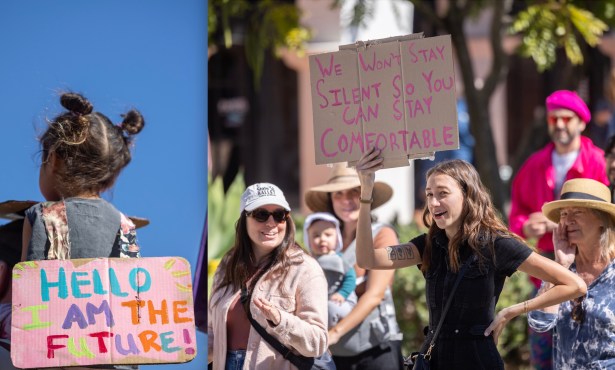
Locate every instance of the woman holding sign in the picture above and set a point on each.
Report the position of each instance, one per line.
(368, 338)
(466, 239)
(266, 281)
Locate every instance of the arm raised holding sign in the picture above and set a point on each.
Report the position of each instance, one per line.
(392, 257)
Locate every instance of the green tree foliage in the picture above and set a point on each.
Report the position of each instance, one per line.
(551, 25)
(574, 22)
(222, 214)
(266, 25)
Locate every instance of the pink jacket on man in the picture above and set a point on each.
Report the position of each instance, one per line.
(534, 184)
(301, 298)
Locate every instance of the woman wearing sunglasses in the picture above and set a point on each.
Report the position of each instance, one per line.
(268, 276)
(584, 242)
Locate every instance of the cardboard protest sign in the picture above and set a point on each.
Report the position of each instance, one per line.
(102, 311)
(397, 94)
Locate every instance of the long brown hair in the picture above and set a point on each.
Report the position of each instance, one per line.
(238, 264)
(480, 221)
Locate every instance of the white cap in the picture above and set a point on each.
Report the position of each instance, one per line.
(261, 194)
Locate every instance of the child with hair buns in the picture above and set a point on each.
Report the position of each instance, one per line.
(83, 153)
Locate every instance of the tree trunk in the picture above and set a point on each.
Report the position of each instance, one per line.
(478, 109)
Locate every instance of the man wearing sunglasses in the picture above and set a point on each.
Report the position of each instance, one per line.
(569, 155)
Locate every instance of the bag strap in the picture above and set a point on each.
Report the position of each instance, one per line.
(449, 301)
(301, 362)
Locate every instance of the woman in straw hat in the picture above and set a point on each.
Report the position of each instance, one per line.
(266, 275)
(584, 242)
(368, 337)
(463, 228)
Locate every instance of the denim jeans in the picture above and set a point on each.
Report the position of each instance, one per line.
(235, 359)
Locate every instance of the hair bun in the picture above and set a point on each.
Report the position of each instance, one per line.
(133, 122)
(76, 103)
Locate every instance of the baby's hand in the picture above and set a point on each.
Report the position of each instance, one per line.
(337, 298)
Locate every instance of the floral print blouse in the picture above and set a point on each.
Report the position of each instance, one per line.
(588, 340)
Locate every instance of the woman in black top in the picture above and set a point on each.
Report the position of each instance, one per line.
(462, 222)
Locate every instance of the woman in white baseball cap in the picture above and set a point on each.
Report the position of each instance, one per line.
(268, 277)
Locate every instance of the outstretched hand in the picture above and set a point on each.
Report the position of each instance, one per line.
(370, 162)
(563, 249)
(270, 312)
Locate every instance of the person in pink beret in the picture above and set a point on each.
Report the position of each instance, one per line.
(567, 156)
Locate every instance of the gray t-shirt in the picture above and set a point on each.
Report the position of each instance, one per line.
(93, 223)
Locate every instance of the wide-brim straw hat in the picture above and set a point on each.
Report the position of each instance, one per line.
(586, 193)
(15, 209)
(344, 178)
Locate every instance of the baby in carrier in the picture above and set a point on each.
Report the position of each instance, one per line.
(322, 236)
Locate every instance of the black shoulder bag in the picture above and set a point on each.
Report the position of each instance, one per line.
(418, 360)
(324, 362)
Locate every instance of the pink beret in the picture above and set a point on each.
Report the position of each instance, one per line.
(565, 99)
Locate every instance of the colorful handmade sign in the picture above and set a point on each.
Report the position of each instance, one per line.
(397, 94)
(102, 311)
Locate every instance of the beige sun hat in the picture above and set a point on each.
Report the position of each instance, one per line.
(343, 178)
(581, 193)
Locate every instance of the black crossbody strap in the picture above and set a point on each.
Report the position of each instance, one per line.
(449, 301)
(299, 361)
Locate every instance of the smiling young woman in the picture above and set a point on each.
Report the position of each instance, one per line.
(463, 226)
(267, 276)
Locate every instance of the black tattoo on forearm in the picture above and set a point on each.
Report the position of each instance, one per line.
(400, 252)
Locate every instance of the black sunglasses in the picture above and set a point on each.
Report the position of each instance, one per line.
(578, 312)
(262, 215)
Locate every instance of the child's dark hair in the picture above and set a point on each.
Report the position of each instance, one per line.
(93, 151)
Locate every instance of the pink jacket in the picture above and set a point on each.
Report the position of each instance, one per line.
(534, 184)
(302, 300)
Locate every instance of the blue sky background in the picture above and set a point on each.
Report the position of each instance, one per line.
(147, 54)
